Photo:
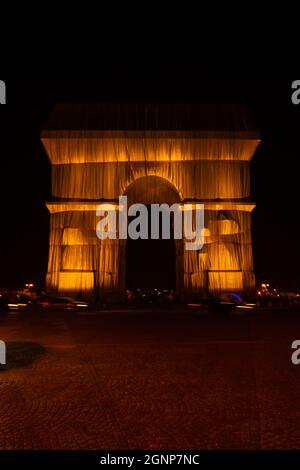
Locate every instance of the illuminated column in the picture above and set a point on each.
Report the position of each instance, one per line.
(225, 262)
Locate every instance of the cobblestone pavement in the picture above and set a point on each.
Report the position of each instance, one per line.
(149, 380)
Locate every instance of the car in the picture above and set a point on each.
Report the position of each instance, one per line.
(240, 304)
(63, 303)
(12, 302)
(212, 304)
(226, 304)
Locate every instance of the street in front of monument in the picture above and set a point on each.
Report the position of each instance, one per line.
(152, 379)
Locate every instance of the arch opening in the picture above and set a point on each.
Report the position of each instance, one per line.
(152, 264)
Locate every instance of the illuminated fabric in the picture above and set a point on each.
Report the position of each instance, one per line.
(227, 249)
(193, 180)
(115, 146)
(230, 281)
(81, 282)
(89, 166)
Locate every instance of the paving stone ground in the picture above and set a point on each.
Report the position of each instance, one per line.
(149, 380)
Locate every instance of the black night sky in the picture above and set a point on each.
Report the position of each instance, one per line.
(26, 176)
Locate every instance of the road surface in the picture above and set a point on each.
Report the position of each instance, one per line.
(149, 380)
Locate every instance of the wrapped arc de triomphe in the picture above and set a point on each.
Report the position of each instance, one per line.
(153, 153)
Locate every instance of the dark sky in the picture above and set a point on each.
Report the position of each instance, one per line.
(25, 170)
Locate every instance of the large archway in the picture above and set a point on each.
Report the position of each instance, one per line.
(151, 263)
